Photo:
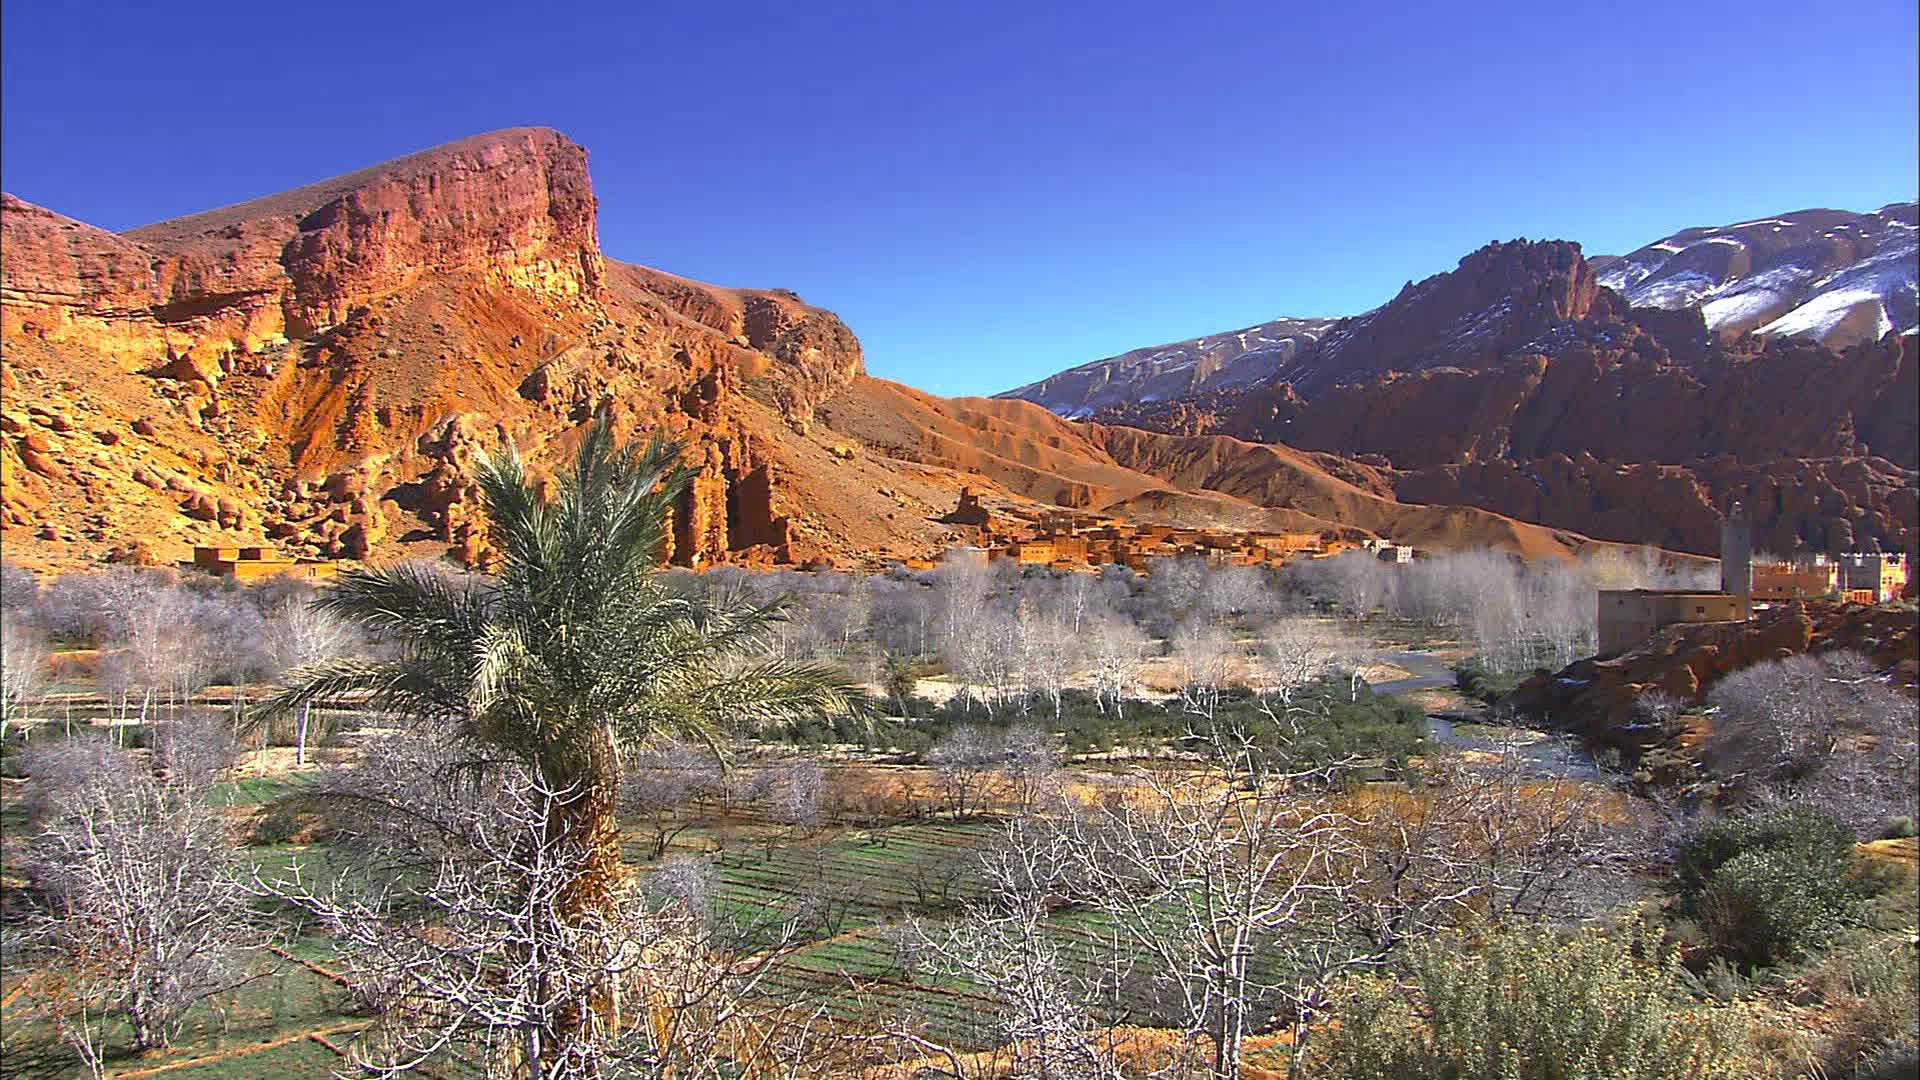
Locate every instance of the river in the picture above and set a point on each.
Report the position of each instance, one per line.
(1557, 754)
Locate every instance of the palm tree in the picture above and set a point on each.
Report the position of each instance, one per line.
(578, 652)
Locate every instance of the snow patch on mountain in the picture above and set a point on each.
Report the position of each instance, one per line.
(1832, 275)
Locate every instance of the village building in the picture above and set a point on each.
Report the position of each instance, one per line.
(1805, 579)
(1394, 553)
(256, 564)
(1628, 616)
(1882, 576)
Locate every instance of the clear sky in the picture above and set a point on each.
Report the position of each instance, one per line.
(990, 192)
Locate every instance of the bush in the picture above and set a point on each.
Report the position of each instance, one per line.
(1770, 886)
(1763, 907)
(1899, 828)
(1529, 1006)
(1474, 679)
(1803, 834)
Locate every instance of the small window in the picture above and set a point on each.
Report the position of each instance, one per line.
(1699, 611)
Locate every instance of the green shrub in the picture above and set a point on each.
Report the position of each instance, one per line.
(1798, 832)
(1529, 1006)
(1473, 678)
(1766, 906)
(1899, 828)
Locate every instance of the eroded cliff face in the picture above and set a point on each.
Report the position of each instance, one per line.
(514, 208)
(325, 366)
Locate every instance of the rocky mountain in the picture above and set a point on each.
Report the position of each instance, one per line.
(1520, 383)
(1829, 275)
(1182, 369)
(321, 368)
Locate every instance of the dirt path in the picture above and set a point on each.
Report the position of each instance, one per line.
(317, 1035)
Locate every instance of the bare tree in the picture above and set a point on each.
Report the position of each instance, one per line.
(19, 590)
(81, 767)
(1207, 661)
(303, 635)
(147, 911)
(1044, 1021)
(468, 954)
(1233, 594)
(1030, 762)
(1116, 652)
(660, 784)
(23, 669)
(1294, 655)
(1822, 731)
(1230, 891)
(196, 748)
(798, 784)
(1472, 840)
(964, 763)
(1050, 652)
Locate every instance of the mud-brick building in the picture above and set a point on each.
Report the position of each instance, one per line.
(1629, 616)
(1780, 582)
(257, 564)
(1885, 576)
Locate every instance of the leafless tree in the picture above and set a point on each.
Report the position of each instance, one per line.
(797, 786)
(964, 763)
(1294, 655)
(1050, 651)
(147, 912)
(1231, 892)
(1822, 731)
(661, 783)
(467, 956)
(1030, 759)
(196, 748)
(1233, 594)
(1207, 661)
(1045, 1022)
(1116, 652)
(23, 669)
(300, 635)
(1488, 838)
(81, 767)
(19, 590)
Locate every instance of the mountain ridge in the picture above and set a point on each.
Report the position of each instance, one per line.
(322, 368)
(1519, 382)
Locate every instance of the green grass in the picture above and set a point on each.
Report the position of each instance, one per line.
(259, 790)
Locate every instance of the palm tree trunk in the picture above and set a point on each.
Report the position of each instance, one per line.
(585, 821)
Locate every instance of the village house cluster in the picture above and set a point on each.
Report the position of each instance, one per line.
(1071, 540)
(1628, 616)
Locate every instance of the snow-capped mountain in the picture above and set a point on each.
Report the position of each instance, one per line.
(1831, 275)
(1178, 370)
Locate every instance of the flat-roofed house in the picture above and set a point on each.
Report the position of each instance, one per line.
(256, 564)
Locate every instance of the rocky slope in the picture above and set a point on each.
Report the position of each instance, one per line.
(321, 369)
(1519, 383)
(1180, 370)
(1828, 275)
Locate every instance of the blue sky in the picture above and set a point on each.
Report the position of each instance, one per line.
(990, 192)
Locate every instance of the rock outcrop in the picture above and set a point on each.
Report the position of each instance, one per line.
(324, 366)
(1596, 698)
